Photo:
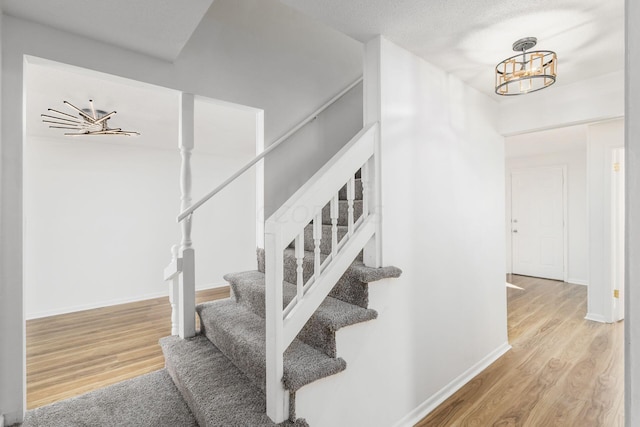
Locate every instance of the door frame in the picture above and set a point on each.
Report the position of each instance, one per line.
(616, 155)
(565, 217)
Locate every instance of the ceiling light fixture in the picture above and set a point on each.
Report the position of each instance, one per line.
(88, 122)
(527, 71)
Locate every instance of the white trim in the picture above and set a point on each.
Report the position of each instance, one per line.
(259, 181)
(118, 301)
(596, 318)
(565, 220)
(577, 282)
(11, 418)
(413, 417)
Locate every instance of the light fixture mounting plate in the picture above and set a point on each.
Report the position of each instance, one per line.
(524, 44)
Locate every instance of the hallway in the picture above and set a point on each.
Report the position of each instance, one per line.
(562, 371)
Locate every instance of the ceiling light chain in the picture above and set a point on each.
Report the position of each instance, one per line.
(535, 71)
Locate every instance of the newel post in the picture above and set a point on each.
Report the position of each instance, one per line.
(277, 396)
(371, 178)
(187, 279)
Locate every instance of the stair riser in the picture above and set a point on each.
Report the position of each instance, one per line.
(314, 333)
(325, 242)
(342, 194)
(348, 288)
(240, 336)
(343, 212)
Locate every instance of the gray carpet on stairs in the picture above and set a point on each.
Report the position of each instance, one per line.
(217, 392)
(343, 212)
(240, 335)
(319, 331)
(151, 400)
(342, 194)
(351, 287)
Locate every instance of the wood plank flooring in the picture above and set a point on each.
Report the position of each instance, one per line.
(563, 370)
(74, 353)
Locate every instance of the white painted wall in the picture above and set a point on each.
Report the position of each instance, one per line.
(602, 138)
(298, 158)
(632, 179)
(252, 52)
(443, 210)
(585, 101)
(100, 211)
(100, 220)
(575, 159)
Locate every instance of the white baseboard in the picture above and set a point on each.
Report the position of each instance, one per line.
(447, 391)
(578, 282)
(211, 286)
(596, 318)
(11, 418)
(108, 303)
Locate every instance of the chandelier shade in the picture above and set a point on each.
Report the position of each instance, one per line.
(527, 71)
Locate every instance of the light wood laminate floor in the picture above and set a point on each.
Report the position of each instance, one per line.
(562, 371)
(74, 353)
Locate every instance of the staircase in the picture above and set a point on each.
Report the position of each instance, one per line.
(221, 371)
(277, 331)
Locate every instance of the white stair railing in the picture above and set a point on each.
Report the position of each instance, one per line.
(288, 224)
(180, 273)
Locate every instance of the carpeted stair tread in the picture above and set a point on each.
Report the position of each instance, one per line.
(319, 331)
(343, 212)
(217, 392)
(372, 274)
(240, 335)
(151, 400)
(351, 287)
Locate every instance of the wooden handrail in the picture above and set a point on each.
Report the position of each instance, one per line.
(191, 209)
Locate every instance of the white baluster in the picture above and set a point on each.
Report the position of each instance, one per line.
(351, 189)
(174, 289)
(300, 269)
(317, 237)
(364, 179)
(187, 278)
(334, 212)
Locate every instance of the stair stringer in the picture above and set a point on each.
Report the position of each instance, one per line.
(357, 396)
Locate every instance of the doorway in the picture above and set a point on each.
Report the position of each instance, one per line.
(99, 218)
(538, 222)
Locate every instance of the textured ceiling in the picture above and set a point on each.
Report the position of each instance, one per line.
(469, 37)
(159, 28)
(464, 37)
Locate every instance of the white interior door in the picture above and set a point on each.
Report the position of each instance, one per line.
(537, 222)
(617, 232)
